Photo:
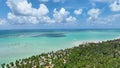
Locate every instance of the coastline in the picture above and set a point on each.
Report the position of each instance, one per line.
(93, 41)
(71, 39)
(77, 43)
(92, 47)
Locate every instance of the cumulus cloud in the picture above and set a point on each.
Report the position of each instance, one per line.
(93, 13)
(115, 6)
(63, 16)
(59, 16)
(29, 19)
(24, 13)
(22, 19)
(108, 19)
(25, 8)
(71, 19)
(2, 21)
(78, 12)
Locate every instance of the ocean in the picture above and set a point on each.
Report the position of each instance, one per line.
(18, 44)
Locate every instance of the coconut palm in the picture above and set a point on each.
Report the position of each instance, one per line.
(3, 65)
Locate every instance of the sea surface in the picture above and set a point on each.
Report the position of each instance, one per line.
(18, 44)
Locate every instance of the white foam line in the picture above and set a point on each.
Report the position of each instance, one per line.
(76, 43)
(117, 37)
(85, 41)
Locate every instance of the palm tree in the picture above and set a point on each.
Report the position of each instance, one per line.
(7, 66)
(3, 65)
(17, 63)
(12, 64)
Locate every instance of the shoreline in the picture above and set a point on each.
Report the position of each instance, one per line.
(77, 43)
(98, 48)
(74, 43)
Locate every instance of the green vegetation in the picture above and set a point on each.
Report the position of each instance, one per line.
(104, 54)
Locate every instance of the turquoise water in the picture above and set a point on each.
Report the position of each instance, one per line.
(17, 44)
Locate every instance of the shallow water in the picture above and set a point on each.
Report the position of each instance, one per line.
(17, 44)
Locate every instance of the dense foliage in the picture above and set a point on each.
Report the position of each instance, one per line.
(104, 54)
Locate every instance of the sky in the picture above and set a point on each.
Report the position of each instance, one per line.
(59, 14)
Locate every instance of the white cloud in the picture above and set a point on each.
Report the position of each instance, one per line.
(2, 21)
(108, 19)
(78, 12)
(59, 16)
(93, 13)
(46, 19)
(29, 19)
(24, 13)
(62, 16)
(25, 8)
(115, 6)
(71, 19)
(14, 19)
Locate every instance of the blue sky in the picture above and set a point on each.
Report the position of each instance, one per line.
(59, 14)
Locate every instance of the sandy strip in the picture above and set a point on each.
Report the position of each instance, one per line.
(76, 43)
